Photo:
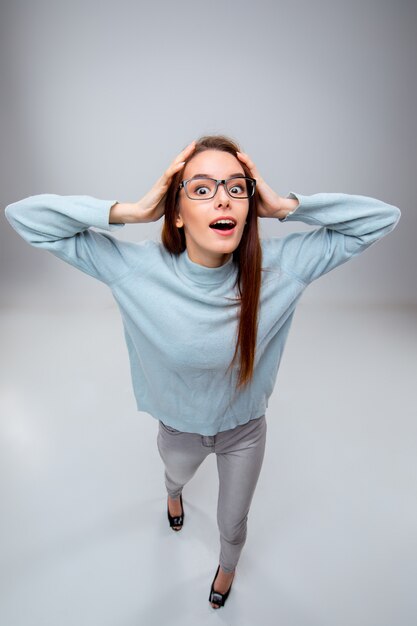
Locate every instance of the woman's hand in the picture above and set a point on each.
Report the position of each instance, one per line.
(152, 206)
(270, 203)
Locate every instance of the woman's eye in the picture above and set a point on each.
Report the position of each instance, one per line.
(203, 189)
(236, 189)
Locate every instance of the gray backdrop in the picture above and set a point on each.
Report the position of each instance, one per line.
(98, 97)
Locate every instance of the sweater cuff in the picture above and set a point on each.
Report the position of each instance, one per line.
(295, 196)
(102, 217)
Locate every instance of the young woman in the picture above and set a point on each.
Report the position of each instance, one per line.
(206, 313)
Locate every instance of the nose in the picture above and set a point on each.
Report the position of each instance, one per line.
(222, 197)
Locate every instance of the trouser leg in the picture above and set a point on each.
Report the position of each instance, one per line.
(239, 460)
(182, 454)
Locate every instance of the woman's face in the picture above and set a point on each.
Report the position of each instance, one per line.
(206, 245)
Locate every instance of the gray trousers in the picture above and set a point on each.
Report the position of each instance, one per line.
(240, 453)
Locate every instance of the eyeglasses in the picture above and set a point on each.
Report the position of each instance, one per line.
(204, 188)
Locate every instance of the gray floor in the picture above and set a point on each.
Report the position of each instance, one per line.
(332, 532)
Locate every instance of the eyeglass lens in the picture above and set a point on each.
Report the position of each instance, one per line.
(203, 188)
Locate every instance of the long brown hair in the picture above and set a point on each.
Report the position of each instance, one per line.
(247, 256)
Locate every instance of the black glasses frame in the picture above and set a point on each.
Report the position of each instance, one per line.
(183, 184)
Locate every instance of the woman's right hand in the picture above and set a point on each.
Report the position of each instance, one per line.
(151, 207)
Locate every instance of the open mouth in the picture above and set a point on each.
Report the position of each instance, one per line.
(223, 225)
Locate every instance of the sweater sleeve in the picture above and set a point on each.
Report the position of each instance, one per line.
(347, 225)
(62, 225)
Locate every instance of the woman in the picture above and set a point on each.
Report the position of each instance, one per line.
(206, 313)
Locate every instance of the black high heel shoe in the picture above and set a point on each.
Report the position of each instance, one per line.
(215, 596)
(178, 520)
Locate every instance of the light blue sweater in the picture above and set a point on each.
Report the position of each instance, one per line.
(179, 323)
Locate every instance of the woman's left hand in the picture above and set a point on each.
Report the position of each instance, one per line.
(270, 203)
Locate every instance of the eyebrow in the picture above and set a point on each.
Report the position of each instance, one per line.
(208, 175)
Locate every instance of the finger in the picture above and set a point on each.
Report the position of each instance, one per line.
(180, 158)
(169, 173)
(178, 163)
(250, 164)
(174, 168)
(246, 159)
(187, 151)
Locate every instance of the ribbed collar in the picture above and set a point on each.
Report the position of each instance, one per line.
(202, 274)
